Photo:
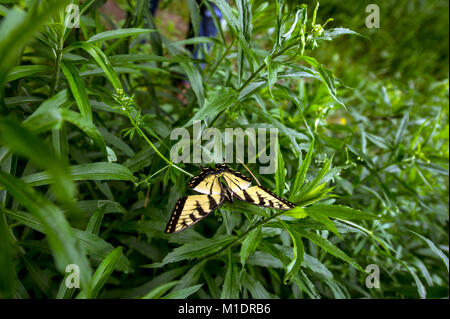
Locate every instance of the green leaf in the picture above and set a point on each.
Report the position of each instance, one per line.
(233, 23)
(280, 172)
(113, 140)
(3, 10)
(219, 100)
(27, 144)
(95, 247)
(101, 171)
(296, 212)
(331, 34)
(183, 293)
(101, 60)
(44, 121)
(420, 287)
(191, 277)
(91, 206)
(49, 106)
(298, 250)
(8, 276)
(338, 211)
(249, 244)
(304, 283)
(86, 126)
(78, 90)
(378, 141)
(245, 28)
(95, 221)
(22, 71)
(194, 12)
(122, 58)
(264, 259)
(118, 33)
(17, 28)
(64, 292)
(157, 292)
(196, 40)
(13, 101)
(433, 248)
(329, 247)
(310, 187)
(315, 265)
(255, 288)
(271, 74)
(326, 77)
(200, 249)
(401, 129)
(283, 128)
(212, 286)
(298, 13)
(63, 243)
(196, 82)
(104, 271)
(322, 218)
(301, 172)
(230, 288)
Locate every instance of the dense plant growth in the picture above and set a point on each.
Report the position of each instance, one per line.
(86, 176)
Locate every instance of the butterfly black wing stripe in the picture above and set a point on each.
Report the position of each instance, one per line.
(234, 180)
(207, 182)
(176, 215)
(261, 199)
(247, 197)
(200, 177)
(191, 209)
(200, 209)
(224, 167)
(260, 196)
(238, 186)
(212, 202)
(284, 201)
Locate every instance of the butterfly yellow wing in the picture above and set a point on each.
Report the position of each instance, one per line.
(260, 196)
(207, 182)
(191, 209)
(235, 180)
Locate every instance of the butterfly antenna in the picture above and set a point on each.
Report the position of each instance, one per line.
(250, 172)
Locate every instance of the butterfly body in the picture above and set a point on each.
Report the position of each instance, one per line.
(191, 209)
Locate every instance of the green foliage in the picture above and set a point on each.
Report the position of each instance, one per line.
(86, 176)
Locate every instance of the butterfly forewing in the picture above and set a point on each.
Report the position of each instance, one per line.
(191, 209)
(260, 196)
(235, 180)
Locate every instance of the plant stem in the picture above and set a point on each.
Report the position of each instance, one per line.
(149, 177)
(250, 79)
(141, 133)
(220, 60)
(57, 69)
(262, 66)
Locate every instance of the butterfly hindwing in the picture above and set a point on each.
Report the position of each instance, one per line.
(207, 182)
(191, 209)
(260, 196)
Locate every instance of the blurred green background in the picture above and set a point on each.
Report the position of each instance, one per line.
(81, 181)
